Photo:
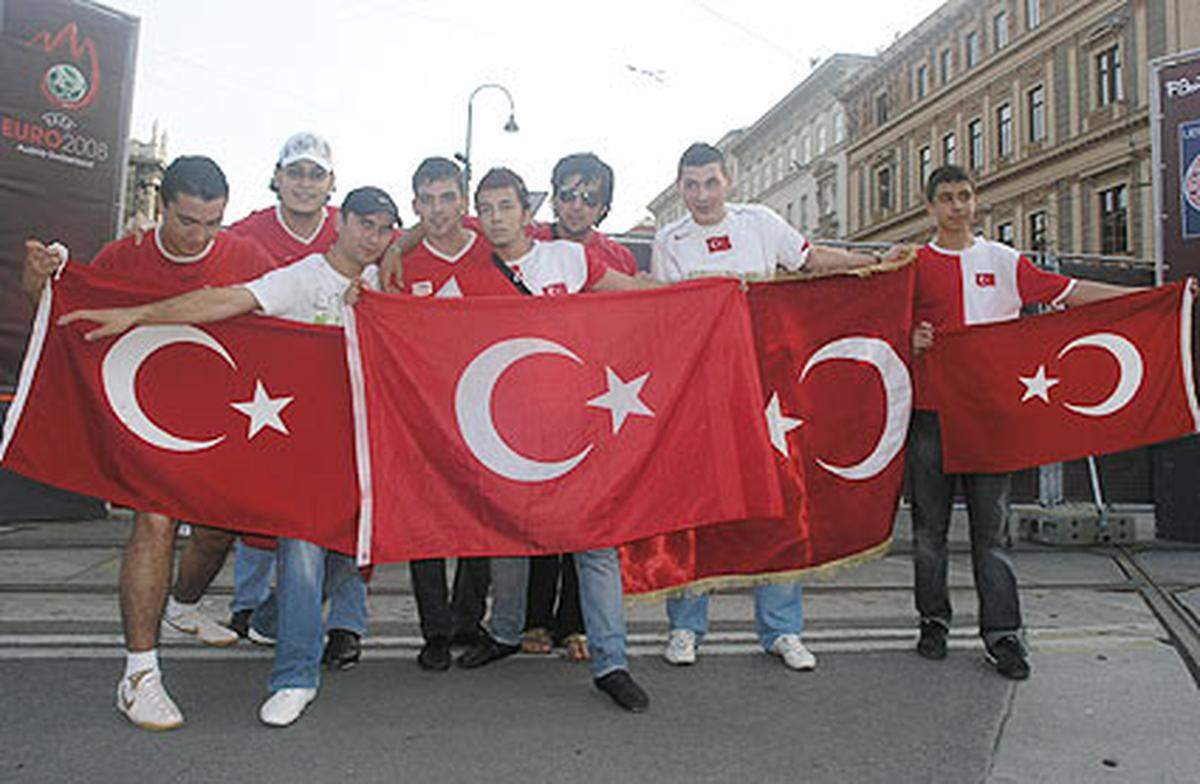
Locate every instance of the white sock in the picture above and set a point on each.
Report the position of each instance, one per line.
(176, 608)
(142, 660)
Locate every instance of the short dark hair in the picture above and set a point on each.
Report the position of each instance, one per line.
(435, 169)
(500, 177)
(589, 168)
(193, 175)
(944, 175)
(700, 154)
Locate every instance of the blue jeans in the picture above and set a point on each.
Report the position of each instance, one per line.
(600, 597)
(303, 569)
(778, 610)
(253, 571)
(347, 595)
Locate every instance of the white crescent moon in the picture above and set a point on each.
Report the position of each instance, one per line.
(473, 409)
(119, 371)
(1132, 368)
(897, 388)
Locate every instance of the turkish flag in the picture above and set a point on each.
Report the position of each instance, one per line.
(244, 424)
(833, 354)
(520, 425)
(1104, 377)
(719, 244)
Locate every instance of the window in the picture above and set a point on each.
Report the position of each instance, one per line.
(949, 150)
(805, 150)
(1037, 114)
(828, 197)
(975, 132)
(839, 128)
(922, 87)
(803, 212)
(821, 140)
(883, 188)
(1037, 231)
(1004, 141)
(788, 214)
(944, 63)
(1033, 14)
(1108, 77)
(1000, 30)
(971, 47)
(1114, 204)
(1004, 233)
(926, 167)
(881, 109)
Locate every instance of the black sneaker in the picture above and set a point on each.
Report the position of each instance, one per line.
(619, 685)
(240, 623)
(342, 651)
(485, 652)
(1007, 655)
(435, 655)
(932, 644)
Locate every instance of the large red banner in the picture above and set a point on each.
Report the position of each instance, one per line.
(1105, 377)
(515, 426)
(833, 354)
(244, 424)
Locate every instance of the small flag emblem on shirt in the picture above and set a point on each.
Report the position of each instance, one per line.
(719, 243)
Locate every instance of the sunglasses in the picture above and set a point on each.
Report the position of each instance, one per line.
(590, 198)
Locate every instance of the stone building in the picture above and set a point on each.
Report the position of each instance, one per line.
(147, 162)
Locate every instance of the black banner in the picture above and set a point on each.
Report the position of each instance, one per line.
(66, 90)
(1177, 81)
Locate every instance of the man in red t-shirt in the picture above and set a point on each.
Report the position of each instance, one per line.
(963, 280)
(301, 223)
(187, 250)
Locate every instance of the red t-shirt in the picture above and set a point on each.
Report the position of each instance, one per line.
(266, 227)
(986, 283)
(229, 260)
(428, 272)
(613, 254)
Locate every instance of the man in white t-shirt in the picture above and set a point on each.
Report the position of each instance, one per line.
(719, 238)
(310, 290)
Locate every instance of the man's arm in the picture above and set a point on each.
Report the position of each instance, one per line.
(40, 263)
(195, 307)
(391, 266)
(824, 259)
(612, 280)
(1086, 291)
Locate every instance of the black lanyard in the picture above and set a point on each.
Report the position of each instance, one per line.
(512, 276)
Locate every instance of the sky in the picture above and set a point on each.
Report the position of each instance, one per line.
(387, 81)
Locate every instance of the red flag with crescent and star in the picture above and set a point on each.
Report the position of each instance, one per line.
(519, 425)
(243, 424)
(833, 356)
(1104, 377)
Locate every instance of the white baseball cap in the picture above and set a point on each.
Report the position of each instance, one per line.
(306, 146)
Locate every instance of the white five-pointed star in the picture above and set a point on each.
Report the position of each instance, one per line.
(622, 399)
(263, 411)
(779, 425)
(1038, 385)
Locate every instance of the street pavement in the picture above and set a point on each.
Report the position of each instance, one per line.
(1111, 697)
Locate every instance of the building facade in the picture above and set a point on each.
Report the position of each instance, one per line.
(1045, 101)
(143, 175)
(793, 158)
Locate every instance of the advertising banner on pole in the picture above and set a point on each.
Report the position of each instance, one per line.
(66, 91)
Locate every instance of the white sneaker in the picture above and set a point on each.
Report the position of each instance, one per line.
(207, 631)
(792, 651)
(145, 702)
(681, 647)
(285, 706)
(258, 638)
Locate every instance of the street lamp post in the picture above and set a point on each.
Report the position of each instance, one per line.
(509, 127)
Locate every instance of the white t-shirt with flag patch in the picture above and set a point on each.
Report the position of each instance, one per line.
(750, 240)
(309, 290)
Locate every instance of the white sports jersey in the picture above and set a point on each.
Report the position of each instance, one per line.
(750, 240)
(309, 290)
(557, 267)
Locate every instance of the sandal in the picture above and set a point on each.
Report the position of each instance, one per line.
(577, 648)
(536, 640)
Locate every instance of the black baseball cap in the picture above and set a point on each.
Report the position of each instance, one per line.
(370, 200)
